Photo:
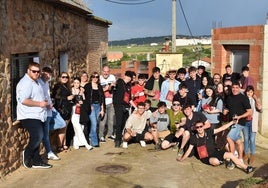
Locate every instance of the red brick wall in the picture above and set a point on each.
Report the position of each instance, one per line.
(225, 39)
(121, 71)
(98, 45)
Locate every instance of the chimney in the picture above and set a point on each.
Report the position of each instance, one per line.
(266, 18)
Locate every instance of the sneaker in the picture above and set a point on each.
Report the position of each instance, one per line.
(117, 143)
(230, 165)
(175, 147)
(76, 147)
(249, 169)
(26, 163)
(125, 145)
(41, 165)
(180, 152)
(143, 143)
(158, 146)
(52, 156)
(112, 137)
(89, 147)
(102, 139)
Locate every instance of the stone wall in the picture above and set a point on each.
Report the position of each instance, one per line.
(47, 29)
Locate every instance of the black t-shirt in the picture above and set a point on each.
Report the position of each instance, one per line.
(238, 104)
(197, 116)
(207, 140)
(184, 100)
(193, 87)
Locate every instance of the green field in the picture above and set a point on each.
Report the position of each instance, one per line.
(139, 52)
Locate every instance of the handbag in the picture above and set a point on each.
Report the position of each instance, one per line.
(57, 122)
(65, 109)
(77, 109)
(202, 150)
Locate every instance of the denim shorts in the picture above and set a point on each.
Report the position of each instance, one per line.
(235, 132)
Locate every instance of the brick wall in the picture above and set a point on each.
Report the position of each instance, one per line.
(224, 40)
(38, 26)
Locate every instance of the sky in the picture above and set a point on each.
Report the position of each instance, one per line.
(154, 19)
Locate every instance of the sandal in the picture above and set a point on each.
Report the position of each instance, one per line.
(65, 147)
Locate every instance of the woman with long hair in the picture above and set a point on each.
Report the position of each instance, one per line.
(79, 96)
(212, 106)
(95, 97)
(63, 103)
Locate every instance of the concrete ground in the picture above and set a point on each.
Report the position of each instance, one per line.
(139, 167)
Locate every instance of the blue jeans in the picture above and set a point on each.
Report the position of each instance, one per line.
(249, 138)
(235, 132)
(95, 111)
(46, 140)
(36, 132)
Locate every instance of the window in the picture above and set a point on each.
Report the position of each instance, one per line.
(19, 65)
(240, 58)
(63, 62)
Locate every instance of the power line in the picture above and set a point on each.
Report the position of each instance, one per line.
(130, 2)
(185, 19)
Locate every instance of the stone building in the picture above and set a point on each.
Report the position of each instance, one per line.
(240, 46)
(63, 34)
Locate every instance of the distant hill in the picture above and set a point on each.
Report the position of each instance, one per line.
(149, 40)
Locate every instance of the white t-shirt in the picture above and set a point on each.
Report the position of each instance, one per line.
(108, 95)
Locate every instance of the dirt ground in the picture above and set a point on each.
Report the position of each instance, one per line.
(135, 167)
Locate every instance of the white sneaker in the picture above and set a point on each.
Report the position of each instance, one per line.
(143, 143)
(76, 147)
(125, 145)
(52, 156)
(89, 147)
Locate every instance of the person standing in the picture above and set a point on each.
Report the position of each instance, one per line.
(251, 127)
(43, 81)
(193, 84)
(238, 107)
(153, 86)
(169, 88)
(95, 97)
(31, 112)
(107, 82)
(121, 102)
(79, 138)
(63, 104)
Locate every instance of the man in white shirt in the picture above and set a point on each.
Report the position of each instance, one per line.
(107, 81)
(45, 76)
(31, 112)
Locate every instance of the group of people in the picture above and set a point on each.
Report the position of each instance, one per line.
(187, 109)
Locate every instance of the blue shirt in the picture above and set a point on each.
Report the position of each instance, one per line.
(27, 88)
(165, 88)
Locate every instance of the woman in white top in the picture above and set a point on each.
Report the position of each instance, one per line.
(79, 137)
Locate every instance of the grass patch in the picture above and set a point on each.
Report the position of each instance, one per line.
(254, 182)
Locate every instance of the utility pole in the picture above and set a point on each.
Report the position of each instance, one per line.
(174, 26)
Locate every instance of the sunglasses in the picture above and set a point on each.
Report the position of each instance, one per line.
(95, 76)
(198, 127)
(35, 71)
(176, 104)
(65, 77)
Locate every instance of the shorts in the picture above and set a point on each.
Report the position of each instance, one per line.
(171, 138)
(235, 132)
(139, 137)
(217, 154)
